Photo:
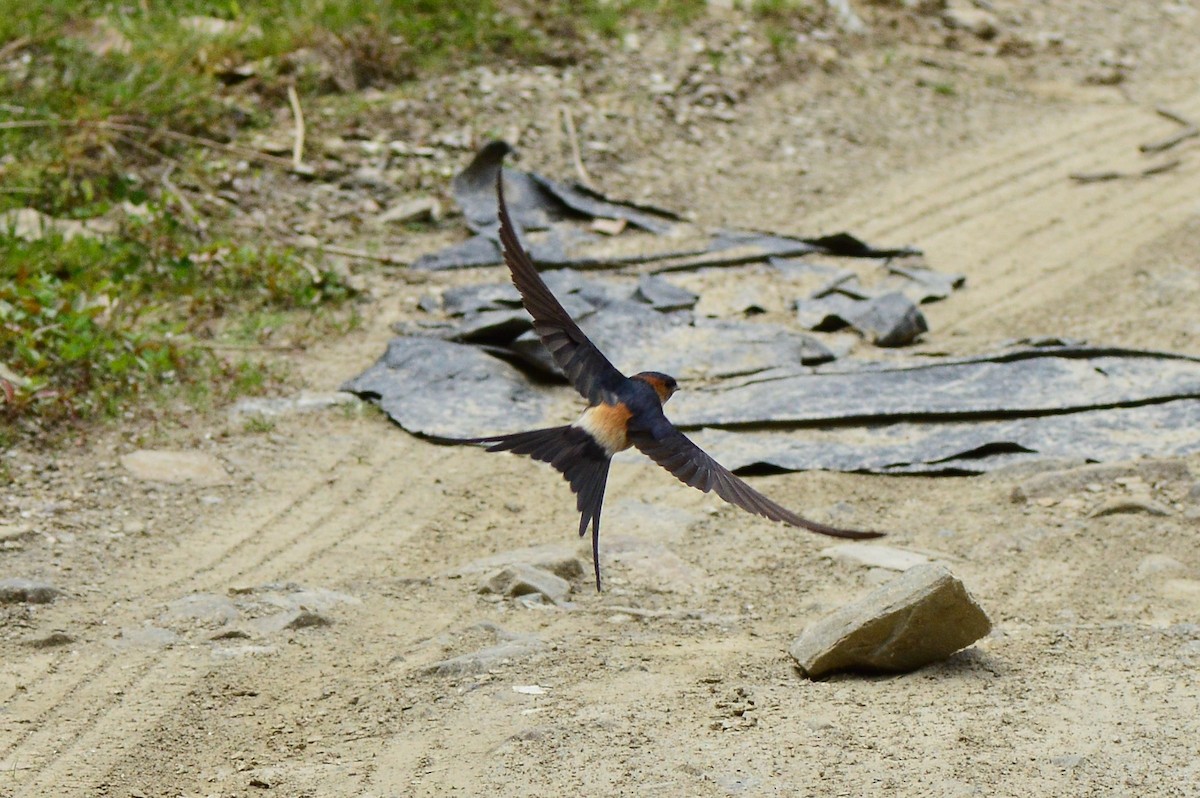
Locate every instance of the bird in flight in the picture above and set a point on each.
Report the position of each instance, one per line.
(622, 412)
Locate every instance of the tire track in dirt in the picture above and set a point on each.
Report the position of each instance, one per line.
(367, 520)
(939, 191)
(964, 186)
(90, 700)
(1011, 224)
(102, 722)
(284, 524)
(1074, 250)
(124, 700)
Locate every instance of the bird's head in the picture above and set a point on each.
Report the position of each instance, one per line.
(663, 384)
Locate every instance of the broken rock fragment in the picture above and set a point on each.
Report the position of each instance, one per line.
(509, 647)
(922, 616)
(523, 580)
(889, 320)
(663, 295)
(26, 591)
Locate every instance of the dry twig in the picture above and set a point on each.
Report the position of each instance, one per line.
(194, 221)
(361, 254)
(1190, 131)
(13, 46)
(569, 123)
(298, 118)
(1101, 177)
(142, 130)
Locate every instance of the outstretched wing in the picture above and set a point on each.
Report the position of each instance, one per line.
(586, 368)
(674, 451)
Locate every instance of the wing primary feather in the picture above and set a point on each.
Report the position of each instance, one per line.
(674, 451)
(583, 364)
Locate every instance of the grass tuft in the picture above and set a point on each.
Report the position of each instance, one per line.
(96, 101)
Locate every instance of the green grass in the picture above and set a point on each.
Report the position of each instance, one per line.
(781, 20)
(97, 97)
(87, 324)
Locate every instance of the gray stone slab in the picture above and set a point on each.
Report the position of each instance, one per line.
(663, 295)
(478, 250)
(890, 319)
(594, 205)
(510, 646)
(964, 446)
(1023, 382)
(562, 212)
(826, 313)
(444, 389)
(922, 285)
(467, 299)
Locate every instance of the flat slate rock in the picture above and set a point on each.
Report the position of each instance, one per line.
(890, 319)
(663, 295)
(828, 313)
(552, 218)
(1024, 382)
(450, 390)
(972, 446)
(478, 250)
(509, 647)
(635, 340)
(954, 416)
(1050, 398)
(467, 299)
(920, 284)
(920, 617)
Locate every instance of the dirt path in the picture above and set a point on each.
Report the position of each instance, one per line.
(274, 636)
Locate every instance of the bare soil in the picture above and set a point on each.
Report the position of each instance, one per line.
(275, 635)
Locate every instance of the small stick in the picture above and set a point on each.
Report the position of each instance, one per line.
(1170, 141)
(298, 117)
(351, 253)
(218, 346)
(1167, 113)
(1190, 131)
(194, 221)
(569, 123)
(1158, 169)
(13, 46)
(147, 149)
(123, 127)
(1100, 177)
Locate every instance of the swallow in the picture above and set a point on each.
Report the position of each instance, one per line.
(622, 412)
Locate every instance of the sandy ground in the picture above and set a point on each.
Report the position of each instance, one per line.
(275, 635)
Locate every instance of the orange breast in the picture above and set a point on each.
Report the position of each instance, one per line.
(608, 424)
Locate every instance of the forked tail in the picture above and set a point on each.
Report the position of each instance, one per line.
(582, 462)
